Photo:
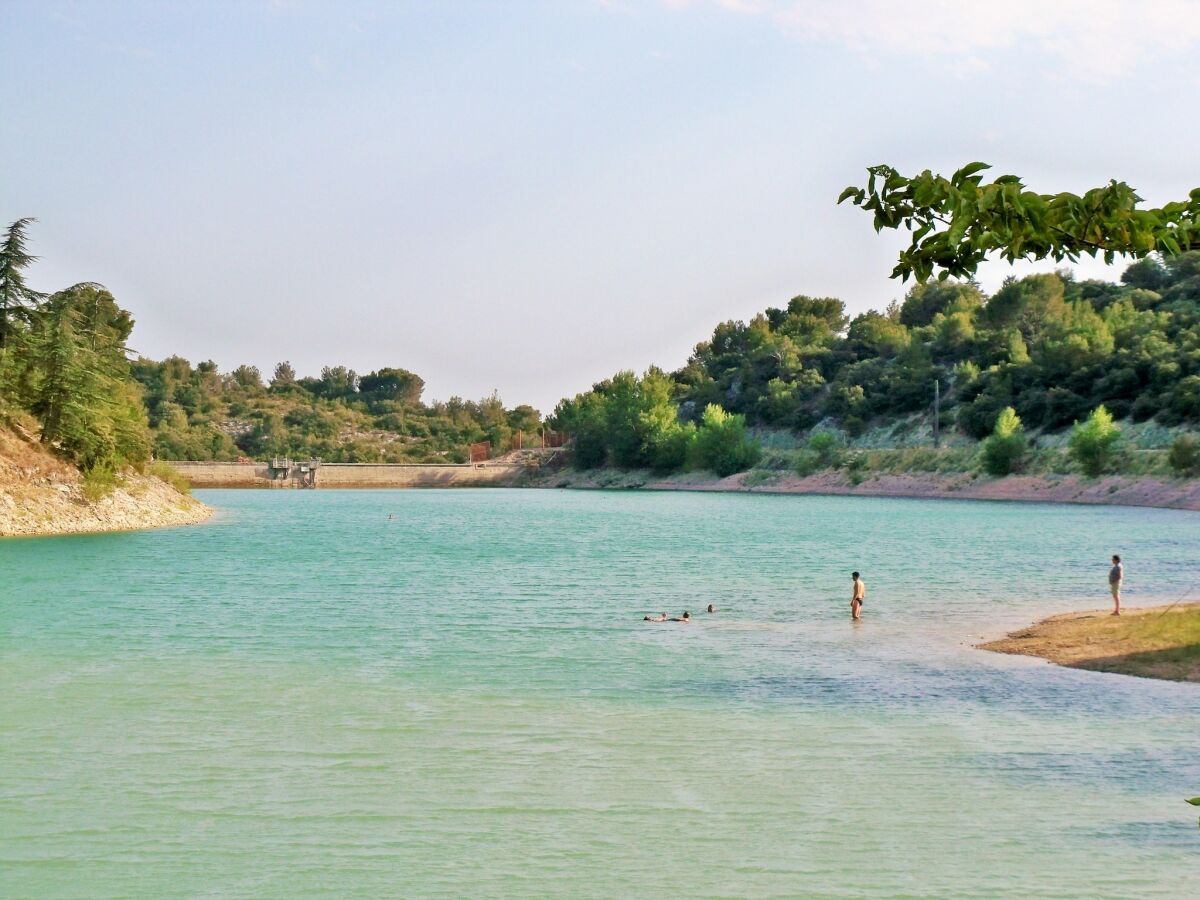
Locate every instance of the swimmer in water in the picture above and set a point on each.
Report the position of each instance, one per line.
(711, 608)
(684, 618)
(661, 617)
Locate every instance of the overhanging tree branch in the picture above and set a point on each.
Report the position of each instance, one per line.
(1002, 218)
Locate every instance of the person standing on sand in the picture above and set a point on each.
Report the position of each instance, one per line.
(1115, 576)
(857, 598)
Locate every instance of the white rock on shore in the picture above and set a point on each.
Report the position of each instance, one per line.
(56, 505)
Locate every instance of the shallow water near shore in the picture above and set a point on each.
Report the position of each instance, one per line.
(424, 692)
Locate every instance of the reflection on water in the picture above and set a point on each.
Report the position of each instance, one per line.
(308, 697)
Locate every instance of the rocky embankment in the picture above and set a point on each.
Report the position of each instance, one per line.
(1109, 491)
(42, 495)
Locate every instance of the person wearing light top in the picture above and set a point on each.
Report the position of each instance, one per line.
(1115, 576)
(857, 598)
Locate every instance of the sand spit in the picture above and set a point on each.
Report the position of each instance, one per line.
(1153, 642)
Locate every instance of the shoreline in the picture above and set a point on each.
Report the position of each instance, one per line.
(143, 502)
(138, 503)
(1161, 642)
(1114, 490)
(42, 495)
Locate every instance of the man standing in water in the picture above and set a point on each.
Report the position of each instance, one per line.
(1115, 576)
(857, 598)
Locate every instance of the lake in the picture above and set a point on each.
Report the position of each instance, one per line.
(452, 692)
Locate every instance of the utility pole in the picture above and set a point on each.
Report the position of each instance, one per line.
(937, 413)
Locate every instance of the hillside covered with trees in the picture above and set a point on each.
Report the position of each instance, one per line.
(1049, 346)
(64, 367)
(197, 412)
(75, 444)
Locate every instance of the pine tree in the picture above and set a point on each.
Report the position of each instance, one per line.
(1093, 443)
(86, 401)
(18, 302)
(69, 394)
(1007, 445)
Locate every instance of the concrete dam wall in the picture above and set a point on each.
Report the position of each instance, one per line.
(347, 475)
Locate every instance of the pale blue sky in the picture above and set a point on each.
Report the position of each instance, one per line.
(529, 196)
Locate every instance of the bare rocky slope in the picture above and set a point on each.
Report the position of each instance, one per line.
(42, 495)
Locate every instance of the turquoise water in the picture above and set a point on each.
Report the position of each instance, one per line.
(451, 692)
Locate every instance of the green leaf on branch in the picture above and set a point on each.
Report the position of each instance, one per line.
(976, 220)
(968, 170)
(849, 192)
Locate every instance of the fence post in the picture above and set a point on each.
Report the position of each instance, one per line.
(937, 412)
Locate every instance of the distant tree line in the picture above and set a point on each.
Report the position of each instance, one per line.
(196, 412)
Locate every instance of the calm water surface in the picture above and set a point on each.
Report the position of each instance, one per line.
(309, 697)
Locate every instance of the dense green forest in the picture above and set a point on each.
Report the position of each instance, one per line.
(196, 412)
(1049, 346)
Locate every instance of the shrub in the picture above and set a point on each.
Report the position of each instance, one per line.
(854, 426)
(920, 459)
(1145, 407)
(826, 448)
(1005, 449)
(722, 445)
(823, 450)
(776, 460)
(1184, 455)
(856, 465)
(977, 417)
(168, 473)
(759, 477)
(99, 481)
(1093, 443)
(1185, 398)
(666, 449)
(807, 463)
